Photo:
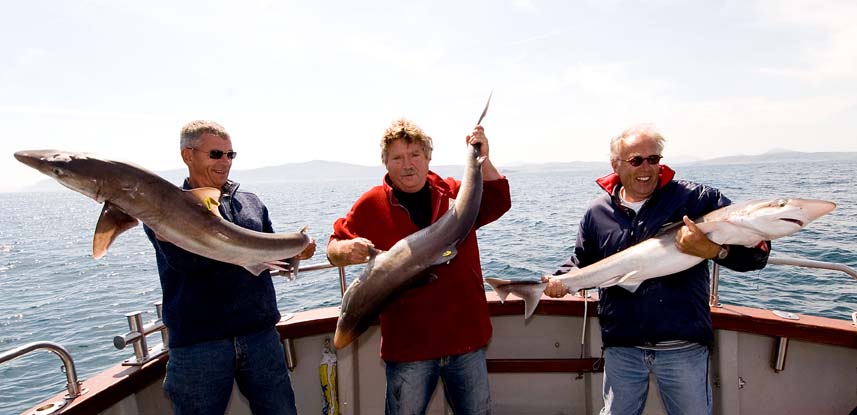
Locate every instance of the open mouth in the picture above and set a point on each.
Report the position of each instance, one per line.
(795, 221)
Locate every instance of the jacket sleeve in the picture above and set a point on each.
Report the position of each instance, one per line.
(496, 201)
(743, 259)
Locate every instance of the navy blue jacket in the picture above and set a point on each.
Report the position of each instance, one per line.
(673, 307)
(208, 300)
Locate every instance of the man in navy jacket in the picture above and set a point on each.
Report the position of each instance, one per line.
(221, 318)
(664, 327)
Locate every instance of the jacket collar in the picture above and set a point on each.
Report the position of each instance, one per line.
(228, 189)
(610, 183)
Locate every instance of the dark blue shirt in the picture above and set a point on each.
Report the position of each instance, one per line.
(204, 299)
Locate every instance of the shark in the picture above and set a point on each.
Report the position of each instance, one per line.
(747, 223)
(390, 272)
(188, 219)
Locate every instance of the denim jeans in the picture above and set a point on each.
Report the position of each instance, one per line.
(682, 379)
(200, 377)
(465, 384)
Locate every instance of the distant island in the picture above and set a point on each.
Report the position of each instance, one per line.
(320, 170)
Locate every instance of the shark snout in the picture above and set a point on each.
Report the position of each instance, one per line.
(29, 157)
(813, 209)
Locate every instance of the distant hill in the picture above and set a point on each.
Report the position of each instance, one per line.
(332, 170)
(780, 156)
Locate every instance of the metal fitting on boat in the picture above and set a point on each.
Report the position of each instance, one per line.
(137, 337)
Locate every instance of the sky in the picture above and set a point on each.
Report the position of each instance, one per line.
(295, 81)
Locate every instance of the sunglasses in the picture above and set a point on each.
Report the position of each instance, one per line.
(638, 160)
(218, 154)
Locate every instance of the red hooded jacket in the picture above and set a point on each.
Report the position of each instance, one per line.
(447, 315)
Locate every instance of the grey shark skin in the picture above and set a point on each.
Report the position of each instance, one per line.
(388, 273)
(747, 224)
(131, 193)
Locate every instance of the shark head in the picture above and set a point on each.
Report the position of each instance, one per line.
(77, 171)
(773, 218)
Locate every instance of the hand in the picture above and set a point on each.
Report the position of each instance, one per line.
(692, 241)
(353, 251)
(309, 251)
(555, 288)
(478, 136)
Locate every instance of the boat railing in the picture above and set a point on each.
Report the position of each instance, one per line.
(73, 385)
(714, 299)
(138, 331)
(315, 267)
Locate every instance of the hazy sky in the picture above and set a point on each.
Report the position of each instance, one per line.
(306, 80)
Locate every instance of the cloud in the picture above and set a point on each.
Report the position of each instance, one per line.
(833, 56)
(526, 5)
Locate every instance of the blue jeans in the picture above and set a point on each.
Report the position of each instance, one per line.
(465, 384)
(682, 377)
(199, 377)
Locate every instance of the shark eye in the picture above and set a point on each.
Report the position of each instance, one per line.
(57, 171)
(782, 202)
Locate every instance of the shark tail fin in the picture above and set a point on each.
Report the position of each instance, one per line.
(530, 291)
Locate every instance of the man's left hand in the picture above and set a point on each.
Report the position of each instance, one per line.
(309, 251)
(478, 136)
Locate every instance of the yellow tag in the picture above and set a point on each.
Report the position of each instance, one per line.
(211, 204)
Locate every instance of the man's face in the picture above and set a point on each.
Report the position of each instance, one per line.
(203, 170)
(407, 166)
(639, 181)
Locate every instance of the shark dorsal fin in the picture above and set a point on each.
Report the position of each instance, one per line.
(210, 198)
(112, 222)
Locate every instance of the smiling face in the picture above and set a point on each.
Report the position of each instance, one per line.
(204, 171)
(407, 165)
(641, 181)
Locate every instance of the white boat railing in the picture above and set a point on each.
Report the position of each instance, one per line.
(714, 299)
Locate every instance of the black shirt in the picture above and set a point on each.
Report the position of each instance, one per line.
(418, 205)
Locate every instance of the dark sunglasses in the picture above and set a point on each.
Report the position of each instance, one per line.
(638, 160)
(218, 154)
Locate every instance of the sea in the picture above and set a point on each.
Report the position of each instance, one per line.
(51, 289)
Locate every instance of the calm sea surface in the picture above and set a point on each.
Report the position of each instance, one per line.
(51, 288)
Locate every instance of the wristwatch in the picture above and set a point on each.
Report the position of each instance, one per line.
(724, 251)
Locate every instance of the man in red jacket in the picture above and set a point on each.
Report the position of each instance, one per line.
(438, 329)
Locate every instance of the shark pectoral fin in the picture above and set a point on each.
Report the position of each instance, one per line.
(446, 256)
(626, 281)
(259, 268)
(619, 280)
(294, 264)
(210, 198)
(631, 286)
(111, 223)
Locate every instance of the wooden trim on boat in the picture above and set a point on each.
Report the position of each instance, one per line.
(765, 322)
(110, 386)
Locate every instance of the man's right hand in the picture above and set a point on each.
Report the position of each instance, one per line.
(555, 288)
(350, 251)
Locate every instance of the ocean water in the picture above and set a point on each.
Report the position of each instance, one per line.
(51, 288)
